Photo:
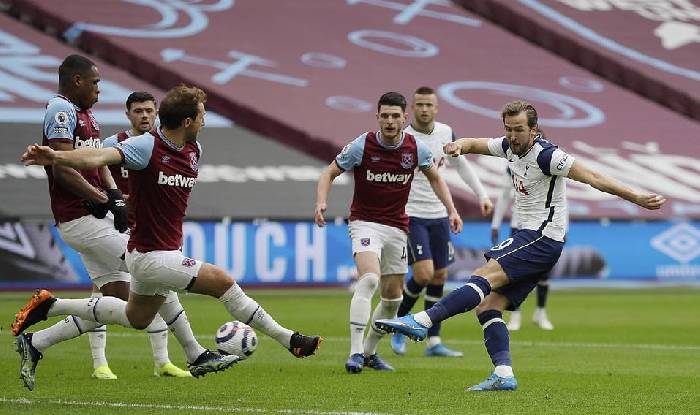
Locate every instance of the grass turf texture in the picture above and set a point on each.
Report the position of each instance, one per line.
(612, 352)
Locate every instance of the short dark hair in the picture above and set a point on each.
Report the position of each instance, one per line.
(424, 90)
(73, 65)
(392, 99)
(516, 107)
(180, 103)
(139, 96)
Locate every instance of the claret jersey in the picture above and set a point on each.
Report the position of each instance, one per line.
(383, 176)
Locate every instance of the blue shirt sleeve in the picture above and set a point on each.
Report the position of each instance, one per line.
(137, 151)
(110, 141)
(351, 155)
(425, 156)
(60, 120)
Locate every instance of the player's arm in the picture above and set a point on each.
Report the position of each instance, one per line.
(499, 211)
(468, 146)
(82, 159)
(469, 177)
(443, 193)
(582, 173)
(71, 179)
(323, 189)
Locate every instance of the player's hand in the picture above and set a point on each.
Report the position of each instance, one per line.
(98, 210)
(117, 205)
(486, 206)
(494, 236)
(318, 214)
(37, 155)
(452, 149)
(455, 222)
(650, 201)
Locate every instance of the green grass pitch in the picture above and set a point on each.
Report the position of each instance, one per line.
(612, 352)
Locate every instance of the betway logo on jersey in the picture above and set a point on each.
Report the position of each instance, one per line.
(388, 177)
(90, 142)
(176, 180)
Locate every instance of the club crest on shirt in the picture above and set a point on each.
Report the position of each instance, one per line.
(165, 159)
(407, 160)
(193, 161)
(188, 262)
(364, 241)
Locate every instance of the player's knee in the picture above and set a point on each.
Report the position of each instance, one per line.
(439, 277)
(139, 322)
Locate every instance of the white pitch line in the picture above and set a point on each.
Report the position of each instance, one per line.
(521, 343)
(24, 401)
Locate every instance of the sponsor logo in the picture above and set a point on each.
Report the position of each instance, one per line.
(402, 178)
(562, 162)
(364, 241)
(375, 159)
(189, 262)
(60, 130)
(90, 142)
(61, 117)
(177, 180)
(681, 242)
(407, 160)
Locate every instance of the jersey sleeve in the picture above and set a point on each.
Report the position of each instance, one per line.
(351, 155)
(498, 146)
(136, 151)
(60, 121)
(555, 162)
(425, 156)
(110, 141)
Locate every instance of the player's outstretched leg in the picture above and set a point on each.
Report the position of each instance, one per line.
(33, 312)
(158, 336)
(458, 301)
(434, 346)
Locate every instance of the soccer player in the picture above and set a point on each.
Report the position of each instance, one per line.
(540, 316)
(383, 165)
(80, 200)
(163, 168)
(141, 113)
(430, 249)
(515, 265)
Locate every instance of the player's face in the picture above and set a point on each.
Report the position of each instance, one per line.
(520, 137)
(87, 88)
(424, 108)
(193, 130)
(391, 121)
(142, 115)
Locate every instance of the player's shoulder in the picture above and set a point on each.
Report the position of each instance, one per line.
(545, 145)
(442, 129)
(60, 107)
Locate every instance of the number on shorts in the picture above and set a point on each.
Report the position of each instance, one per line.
(420, 249)
(404, 255)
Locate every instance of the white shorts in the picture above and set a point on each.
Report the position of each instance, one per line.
(100, 246)
(159, 272)
(388, 242)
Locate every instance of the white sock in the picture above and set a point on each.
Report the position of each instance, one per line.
(158, 335)
(105, 310)
(98, 341)
(360, 307)
(433, 340)
(66, 329)
(386, 308)
(98, 344)
(423, 319)
(176, 319)
(504, 371)
(246, 310)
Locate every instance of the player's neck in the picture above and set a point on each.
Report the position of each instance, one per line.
(69, 96)
(176, 137)
(426, 129)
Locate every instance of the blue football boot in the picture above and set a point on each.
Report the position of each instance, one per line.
(405, 325)
(440, 350)
(496, 383)
(355, 363)
(398, 343)
(376, 363)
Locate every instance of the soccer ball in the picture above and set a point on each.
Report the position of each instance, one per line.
(236, 338)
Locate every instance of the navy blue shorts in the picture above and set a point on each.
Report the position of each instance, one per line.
(526, 258)
(430, 239)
